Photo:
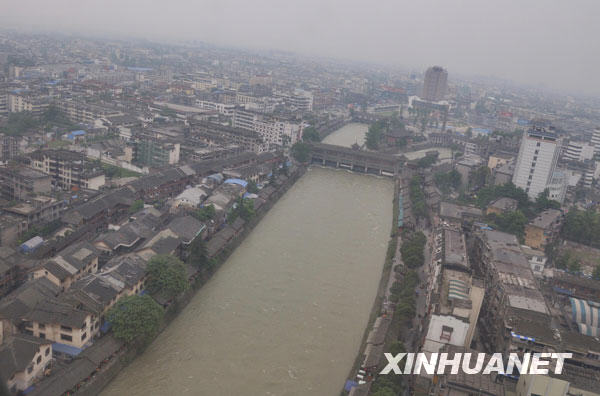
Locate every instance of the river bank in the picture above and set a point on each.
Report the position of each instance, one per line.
(286, 312)
(91, 386)
(379, 306)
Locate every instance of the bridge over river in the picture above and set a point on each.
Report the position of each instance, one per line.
(354, 160)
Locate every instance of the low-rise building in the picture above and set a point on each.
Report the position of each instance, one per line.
(69, 265)
(19, 182)
(68, 169)
(502, 205)
(543, 229)
(23, 359)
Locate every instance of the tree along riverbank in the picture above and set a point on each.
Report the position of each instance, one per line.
(111, 366)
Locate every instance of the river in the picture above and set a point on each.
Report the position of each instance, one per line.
(286, 313)
(348, 135)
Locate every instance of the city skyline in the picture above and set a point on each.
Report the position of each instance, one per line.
(540, 46)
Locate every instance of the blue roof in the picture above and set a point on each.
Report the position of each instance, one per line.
(349, 385)
(77, 133)
(67, 349)
(481, 130)
(241, 182)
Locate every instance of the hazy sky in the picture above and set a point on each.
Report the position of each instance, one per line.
(549, 42)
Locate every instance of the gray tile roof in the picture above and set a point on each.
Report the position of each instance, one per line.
(17, 352)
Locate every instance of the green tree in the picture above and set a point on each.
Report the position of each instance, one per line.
(252, 187)
(310, 134)
(412, 250)
(563, 260)
(301, 152)
(19, 123)
(428, 160)
(447, 180)
(384, 391)
(137, 205)
(397, 347)
(166, 276)
(205, 213)
(574, 265)
(244, 208)
(596, 273)
(198, 254)
(479, 177)
(373, 136)
(511, 222)
(135, 319)
(543, 202)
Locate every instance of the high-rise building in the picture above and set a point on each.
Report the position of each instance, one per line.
(596, 140)
(435, 84)
(536, 162)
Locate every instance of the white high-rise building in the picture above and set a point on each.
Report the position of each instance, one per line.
(579, 151)
(536, 162)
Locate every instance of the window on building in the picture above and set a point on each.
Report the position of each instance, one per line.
(66, 328)
(39, 359)
(446, 333)
(43, 336)
(29, 369)
(41, 326)
(83, 336)
(47, 351)
(66, 337)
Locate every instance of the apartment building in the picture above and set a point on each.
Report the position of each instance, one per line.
(19, 182)
(85, 113)
(24, 102)
(155, 152)
(9, 147)
(274, 131)
(536, 161)
(68, 169)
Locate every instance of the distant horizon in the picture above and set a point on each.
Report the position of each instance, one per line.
(452, 75)
(538, 43)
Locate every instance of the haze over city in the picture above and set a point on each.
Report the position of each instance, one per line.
(299, 198)
(545, 43)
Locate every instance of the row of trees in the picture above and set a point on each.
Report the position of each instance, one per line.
(412, 250)
(530, 209)
(417, 197)
(428, 160)
(582, 226)
(447, 180)
(244, 208)
(24, 121)
(403, 294)
(510, 222)
(136, 319)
